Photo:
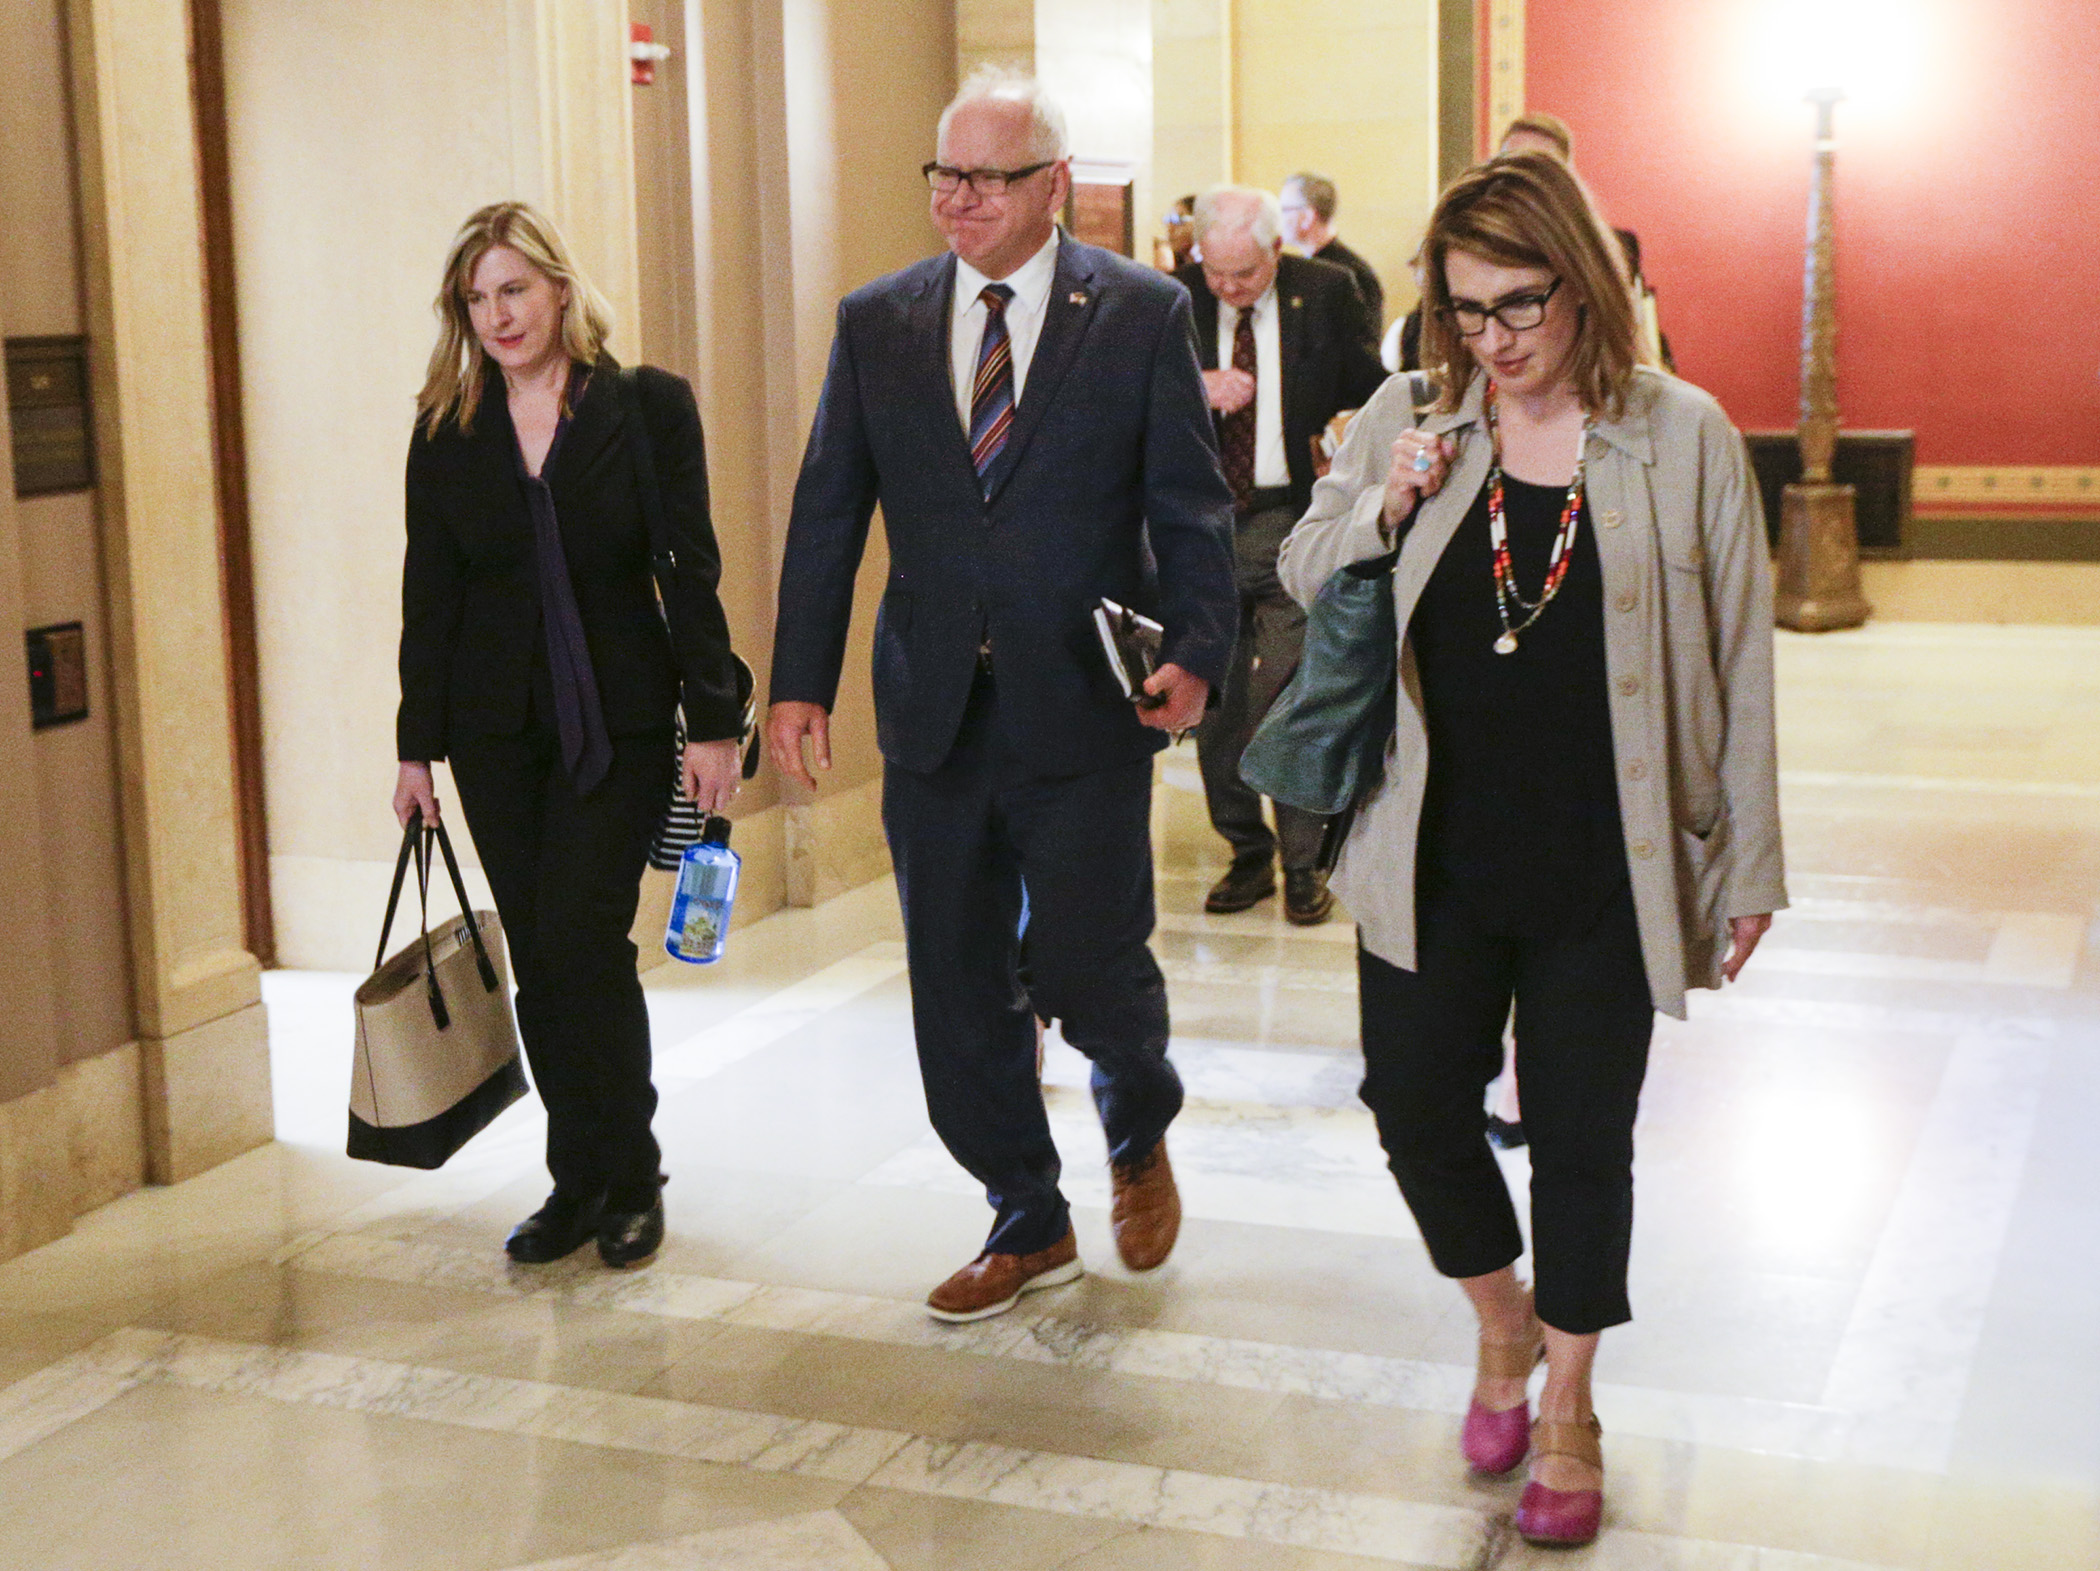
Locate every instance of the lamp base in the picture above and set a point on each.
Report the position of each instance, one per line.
(1818, 588)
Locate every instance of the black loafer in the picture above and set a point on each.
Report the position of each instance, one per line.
(627, 1238)
(1306, 900)
(1504, 1134)
(558, 1229)
(1249, 880)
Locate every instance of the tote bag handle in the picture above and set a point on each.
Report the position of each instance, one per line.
(415, 842)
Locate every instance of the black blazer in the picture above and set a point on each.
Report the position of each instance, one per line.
(1327, 364)
(470, 597)
(1111, 450)
(1335, 254)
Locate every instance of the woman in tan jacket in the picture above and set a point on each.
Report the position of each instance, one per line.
(1579, 810)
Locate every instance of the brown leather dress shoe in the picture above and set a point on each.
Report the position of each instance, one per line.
(993, 1283)
(1146, 1214)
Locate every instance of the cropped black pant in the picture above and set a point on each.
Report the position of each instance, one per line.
(1432, 1040)
(566, 871)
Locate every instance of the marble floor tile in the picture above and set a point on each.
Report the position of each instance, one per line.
(1316, 1168)
(934, 1533)
(819, 1541)
(1865, 1265)
(165, 1479)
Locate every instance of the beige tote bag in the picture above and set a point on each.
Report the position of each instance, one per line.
(437, 1049)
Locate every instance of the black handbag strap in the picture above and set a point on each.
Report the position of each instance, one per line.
(439, 1014)
(466, 909)
(415, 845)
(663, 560)
(410, 840)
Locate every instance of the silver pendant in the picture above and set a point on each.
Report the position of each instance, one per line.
(1506, 644)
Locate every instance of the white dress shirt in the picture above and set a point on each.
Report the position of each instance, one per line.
(1271, 464)
(1030, 283)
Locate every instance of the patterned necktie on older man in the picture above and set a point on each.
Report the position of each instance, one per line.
(992, 395)
(1236, 430)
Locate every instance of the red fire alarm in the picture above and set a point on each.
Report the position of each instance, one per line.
(643, 51)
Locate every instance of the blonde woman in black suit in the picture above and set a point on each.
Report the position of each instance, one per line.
(534, 658)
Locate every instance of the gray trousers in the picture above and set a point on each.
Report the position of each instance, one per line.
(1271, 638)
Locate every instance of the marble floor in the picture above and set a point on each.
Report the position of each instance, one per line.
(1867, 1263)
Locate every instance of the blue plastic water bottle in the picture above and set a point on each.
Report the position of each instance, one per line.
(707, 874)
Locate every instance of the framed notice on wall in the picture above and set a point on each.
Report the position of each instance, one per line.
(58, 687)
(1099, 209)
(47, 399)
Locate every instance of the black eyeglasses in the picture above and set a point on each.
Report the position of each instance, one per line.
(1515, 312)
(947, 179)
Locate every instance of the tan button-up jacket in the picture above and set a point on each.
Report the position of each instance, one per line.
(1688, 652)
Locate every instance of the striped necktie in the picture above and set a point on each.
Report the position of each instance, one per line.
(992, 395)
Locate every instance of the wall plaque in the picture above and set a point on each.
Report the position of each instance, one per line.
(1098, 206)
(47, 396)
(57, 674)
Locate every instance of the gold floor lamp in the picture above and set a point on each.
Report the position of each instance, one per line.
(1818, 587)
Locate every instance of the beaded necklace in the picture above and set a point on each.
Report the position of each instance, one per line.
(1498, 533)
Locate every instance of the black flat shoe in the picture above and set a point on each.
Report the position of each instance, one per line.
(1246, 883)
(1306, 901)
(1504, 1134)
(627, 1238)
(558, 1229)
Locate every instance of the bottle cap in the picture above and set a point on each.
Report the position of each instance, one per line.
(717, 831)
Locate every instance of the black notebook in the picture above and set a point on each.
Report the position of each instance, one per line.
(1131, 642)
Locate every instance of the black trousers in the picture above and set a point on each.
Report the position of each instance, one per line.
(567, 876)
(1271, 640)
(963, 838)
(1433, 1040)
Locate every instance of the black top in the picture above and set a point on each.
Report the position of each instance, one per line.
(1521, 818)
(1367, 283)
(471, 633)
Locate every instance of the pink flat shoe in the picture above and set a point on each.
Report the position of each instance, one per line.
(1563, 1518)
(1495, 1442)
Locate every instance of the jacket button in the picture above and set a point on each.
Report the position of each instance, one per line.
(1629, 685)
(1637, 770)
(1611, 518)
(1643, 849)
(1627, 600)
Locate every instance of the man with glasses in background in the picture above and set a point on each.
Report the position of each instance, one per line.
(1309, 203)
(1028, 413)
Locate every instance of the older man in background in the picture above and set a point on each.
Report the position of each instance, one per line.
(1285, 347)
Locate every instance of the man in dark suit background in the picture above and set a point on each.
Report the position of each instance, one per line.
(1028, 413)
(1284, 349)
(1309, 204)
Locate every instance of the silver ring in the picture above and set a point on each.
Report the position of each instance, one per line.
(1422, 462)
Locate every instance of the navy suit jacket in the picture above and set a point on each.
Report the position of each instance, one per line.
(1108, 485)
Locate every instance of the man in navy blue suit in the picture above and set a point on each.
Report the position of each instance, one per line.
(1029, 414)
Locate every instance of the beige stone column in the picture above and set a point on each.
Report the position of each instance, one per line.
(205, 1049)
(36, 1192)
(587, 141)
(994, 32)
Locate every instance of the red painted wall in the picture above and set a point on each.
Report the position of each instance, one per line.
(1968, 209)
